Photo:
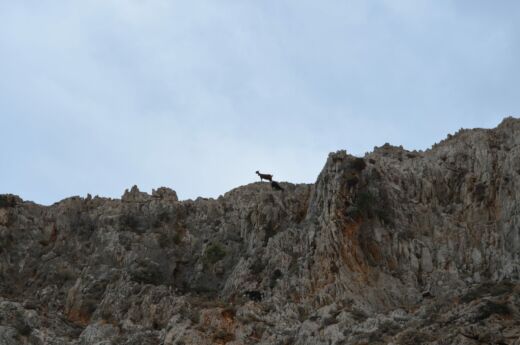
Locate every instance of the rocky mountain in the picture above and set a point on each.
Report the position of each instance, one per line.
(397, 247)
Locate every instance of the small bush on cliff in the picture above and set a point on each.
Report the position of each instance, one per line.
(177, 238)
(7, 200)
(129, 221)
(362, 207)
(480, 192)
(358, 164)
(413, 337)
(163, 217)
(364, 203)
(21, 325)
(488, 308)
(257, 266)
(358, 315)
(367, 206)
(214, 253)
(487, 289)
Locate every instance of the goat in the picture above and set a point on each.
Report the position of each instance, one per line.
(267, 177)
(276, 186)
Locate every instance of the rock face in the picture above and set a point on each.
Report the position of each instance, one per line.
(397, 247)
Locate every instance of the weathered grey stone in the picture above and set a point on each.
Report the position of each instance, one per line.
(8, 336)
(98, 334)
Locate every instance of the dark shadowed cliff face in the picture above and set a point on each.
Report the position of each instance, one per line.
(398, 247)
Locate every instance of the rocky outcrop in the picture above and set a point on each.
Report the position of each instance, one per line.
(396, 247)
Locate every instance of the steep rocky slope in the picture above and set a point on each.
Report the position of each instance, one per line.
(398, 247)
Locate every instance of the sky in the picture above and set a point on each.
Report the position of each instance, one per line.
(99, 95)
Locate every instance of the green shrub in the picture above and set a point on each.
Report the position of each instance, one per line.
(358, 164)
(413, 337)
(489, 308)
(363, 205)
(358, 315)
(7, 200)
(277, 274)
(488, 288)
(214, 253)
(164, 216)
(368, 207)
(383, 215)
(177, 238)
(129, 221)
(21, 325)
(364, 202)
(257, 266)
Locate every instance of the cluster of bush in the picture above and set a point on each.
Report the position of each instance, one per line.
(214, 253)
(367, 205)
(8, 200)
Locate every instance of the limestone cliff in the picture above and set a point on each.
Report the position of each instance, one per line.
(397, 247)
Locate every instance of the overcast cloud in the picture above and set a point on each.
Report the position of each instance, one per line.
(96, 96)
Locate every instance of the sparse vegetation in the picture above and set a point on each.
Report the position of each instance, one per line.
(257, 266)
(329, 321)
(358, 164)
(413, 337)
(229, 312)
(163, 240)
(166, 240)
(270, 231)
(293, 265)
(145, 271)
(214, 253)
(383, 215)
(177, 238)
(223, 337)
(388, 328)
(363, 205)
(277, 274)
(21, 325)
(488, 289)
(191, 312)
(480, 192)
(364, 202)
(129, 221)
(164, 216)
(359, 315)
(88, 307)
(367, 206)
(303, 313)
(352, 181)
(489, 308)
(7, 200)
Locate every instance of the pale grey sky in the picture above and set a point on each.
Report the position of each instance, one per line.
(96, 96)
